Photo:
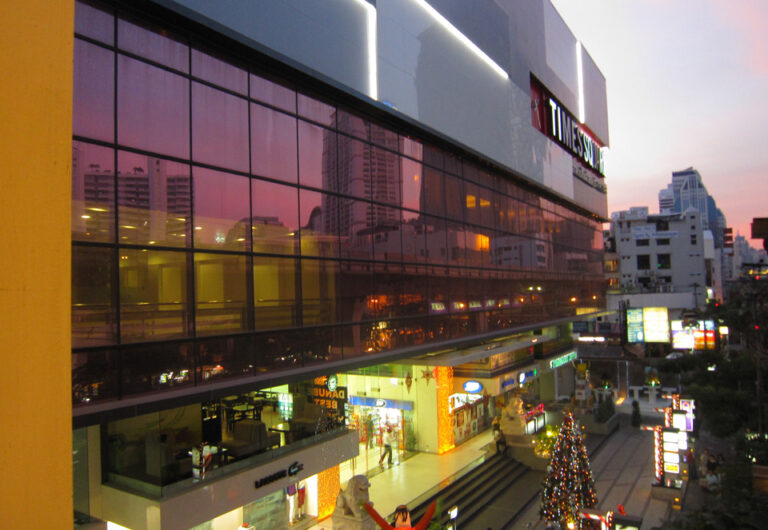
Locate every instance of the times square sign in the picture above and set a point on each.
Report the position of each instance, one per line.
(566, 130)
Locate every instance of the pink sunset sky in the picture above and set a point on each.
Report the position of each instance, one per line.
(687, 85)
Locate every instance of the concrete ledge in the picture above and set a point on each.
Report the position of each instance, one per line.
(672, 495)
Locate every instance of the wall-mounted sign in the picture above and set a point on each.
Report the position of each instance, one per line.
(292, 470)
(524, 376)
(472, 387)
(436, 307)
(565, 129)
(563, 359)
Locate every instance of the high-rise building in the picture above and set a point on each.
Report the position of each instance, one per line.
(686, 191)
(286, 229)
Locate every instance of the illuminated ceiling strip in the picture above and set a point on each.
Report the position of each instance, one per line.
(580, 76)
(462, 38)
(373, 67)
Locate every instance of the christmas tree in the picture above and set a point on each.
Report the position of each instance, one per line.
(568, 486)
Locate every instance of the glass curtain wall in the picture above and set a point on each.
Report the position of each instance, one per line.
(225, 218)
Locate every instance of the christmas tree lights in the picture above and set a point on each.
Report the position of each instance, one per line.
(568, 486)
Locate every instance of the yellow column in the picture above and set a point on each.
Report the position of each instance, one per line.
(445, 438)
(35, 283)
(328, 487)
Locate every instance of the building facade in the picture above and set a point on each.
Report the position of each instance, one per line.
(270, 238)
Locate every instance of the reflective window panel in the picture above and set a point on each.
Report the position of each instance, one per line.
(221, 209)
(93, 192)
(273, 144)
(93, 110)
(94, 318)
(219, 128)
(275, 218)
(154, 200)
(153, 295)
(220, 293)
(274, 292)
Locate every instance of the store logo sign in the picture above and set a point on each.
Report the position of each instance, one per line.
(292, 470)
(566, 131)
(472, 387)
(381, 403)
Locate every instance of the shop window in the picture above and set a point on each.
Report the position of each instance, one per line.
(643, 261)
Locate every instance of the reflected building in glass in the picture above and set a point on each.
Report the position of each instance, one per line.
(278, 253)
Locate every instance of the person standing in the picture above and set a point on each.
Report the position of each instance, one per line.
(387, 443)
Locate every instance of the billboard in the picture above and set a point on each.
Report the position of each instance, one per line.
(648, 324)
(635, 325)
(700, 336)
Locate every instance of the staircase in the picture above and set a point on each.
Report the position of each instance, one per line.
(489, 496)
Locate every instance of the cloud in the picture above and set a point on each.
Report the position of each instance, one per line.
(750, 18)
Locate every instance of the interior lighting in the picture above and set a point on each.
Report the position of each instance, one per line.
(373, 81)
(580, 76)
(85, 216)
(198, 228)
(91, 208)
(573, 298)
(462, 38)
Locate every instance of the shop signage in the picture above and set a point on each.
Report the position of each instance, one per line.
(331, 399)
(381, 403)
(292, 470)
(566, 131)
(472, 387)
(490, 303)
(538, 410)
(523, 376)
(564, 359)
(475, 304)
(436, 308)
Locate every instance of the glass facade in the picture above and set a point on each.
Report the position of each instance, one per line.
(227, 224)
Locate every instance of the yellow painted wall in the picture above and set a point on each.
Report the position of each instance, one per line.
(35, 283)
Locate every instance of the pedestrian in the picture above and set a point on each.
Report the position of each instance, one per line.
(495, 425)
(690, 459)
(501, 442)
(387, 453)
(711, 463)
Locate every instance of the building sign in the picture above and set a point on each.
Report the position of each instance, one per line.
(472, 387)
(550, 117)
(563, 359)
(436, 308)
(333, 400)
(292, 470)
(635, 325)
(656, 324)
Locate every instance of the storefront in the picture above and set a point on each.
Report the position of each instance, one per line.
(471, 409)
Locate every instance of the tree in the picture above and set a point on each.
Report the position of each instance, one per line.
(568, 486)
